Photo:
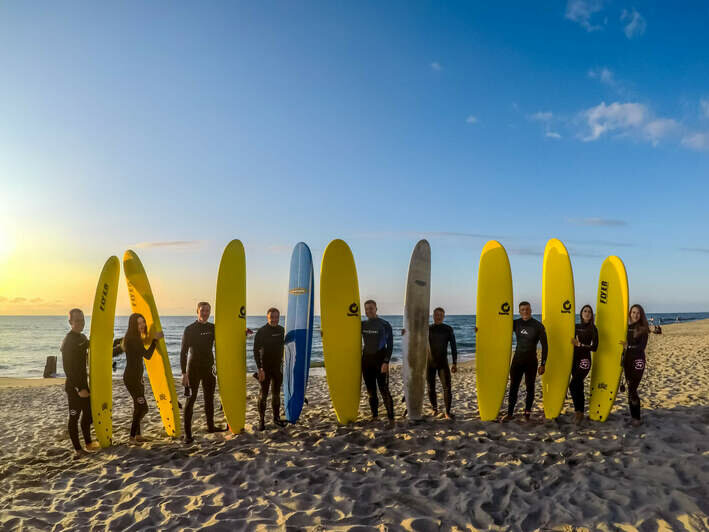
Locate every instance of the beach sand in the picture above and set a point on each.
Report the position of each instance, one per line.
(463, 474)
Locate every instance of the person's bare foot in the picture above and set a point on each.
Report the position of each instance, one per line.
(135, 441)
(578, 418)
(93, 446)
(449, 416)
(142, 439)
(507, 417)
(434, 412)
(80, 453)
(636, 422)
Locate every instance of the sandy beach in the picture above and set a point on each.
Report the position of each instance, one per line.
(437, 475)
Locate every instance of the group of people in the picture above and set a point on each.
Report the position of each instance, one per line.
(197, 365)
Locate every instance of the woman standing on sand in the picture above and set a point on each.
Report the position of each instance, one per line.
(634, 357)
(134, 347)
(585, 341)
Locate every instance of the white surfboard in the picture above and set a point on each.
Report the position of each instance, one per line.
(415, 346)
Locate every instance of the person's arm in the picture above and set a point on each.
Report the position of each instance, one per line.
(454, 347)
(545, 345)
(638, 343)
(390, 342)
(594, 340)
(258, 346)
(74, 369)
(184, 350)
(136, 345)
(117, 347)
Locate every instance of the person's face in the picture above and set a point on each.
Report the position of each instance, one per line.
(370, 310)
(438, 316)
(141, 326)
(525, 311)
(586, 314)
(273, 317)
(203, 313)
(76, 322)
(634, 315)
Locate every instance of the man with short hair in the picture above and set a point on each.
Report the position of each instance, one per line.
(377, 347)
(440, 335)
(198, 341)
(268, 354)
(529, 332)
(74, 350)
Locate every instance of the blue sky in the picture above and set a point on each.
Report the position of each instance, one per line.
(187, 125)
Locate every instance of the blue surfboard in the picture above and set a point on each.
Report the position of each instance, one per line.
(299, 331)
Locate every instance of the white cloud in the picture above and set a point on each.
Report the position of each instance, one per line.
(581, 11)
(471, 119)
(176, 244)
(604, 75)
(704, 105)
(614, 117)
(656, 130)
(542, 116)
(552, 135)
(436, 66)
(636, 23)
(608, 222)
(696, 141)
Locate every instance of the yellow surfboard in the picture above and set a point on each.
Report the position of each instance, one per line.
(159, 370)
(493, 341)
(341, 325)
(559, 319)
(612, 324)
(101, 351)
(230, 334)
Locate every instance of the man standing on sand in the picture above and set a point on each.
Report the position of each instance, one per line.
(268, 354)
(439, 336)
(529, 332)
(74, 354)
(198, 341)
(377, 347)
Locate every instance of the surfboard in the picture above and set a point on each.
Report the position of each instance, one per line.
(101, 351)
(230, 334)
(558, 318)
(612, 324)
(159, 370)
(341, 326)
(415, 347)
(299, 331)
(493, 341)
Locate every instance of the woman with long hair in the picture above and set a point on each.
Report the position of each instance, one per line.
(133, 345)
(585, 341)
(634, 357)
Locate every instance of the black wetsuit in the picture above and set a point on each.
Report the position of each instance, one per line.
(268, 353)
(133, 378)
(377, 347)
(439, 336)
(634, 367)
(524, 363)
(74, 353)
(587, 334)
(198, 341)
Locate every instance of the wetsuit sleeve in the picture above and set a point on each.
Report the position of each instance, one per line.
(139, 349)
(638, 343)
(74, 369)
(258, 345)
(454, 347)
(390, 342)
(184, 350)
(117, 347)
(545, 344)
(594, 341)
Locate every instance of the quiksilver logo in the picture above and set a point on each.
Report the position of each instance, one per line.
(603, 296)
(524, 331)
(353, 310)
(504, 309)
(242, 312)
(602, 386)
(566, 307)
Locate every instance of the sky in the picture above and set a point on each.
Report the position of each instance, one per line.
(171, 128)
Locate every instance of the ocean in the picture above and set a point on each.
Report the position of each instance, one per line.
(26, 341)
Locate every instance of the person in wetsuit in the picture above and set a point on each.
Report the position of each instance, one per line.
(585, 341)
(634, 358)
(440, 335)
(377, 347)
(529, 332)
(74, 351)
(134, 347)
(268, 354)
(198, 343)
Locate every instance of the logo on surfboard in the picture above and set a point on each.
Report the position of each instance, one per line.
(566, 307)
(102, 306)
(504, 309)
(353, 310)
(242, 312)
(298, 291)
(603, 297)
